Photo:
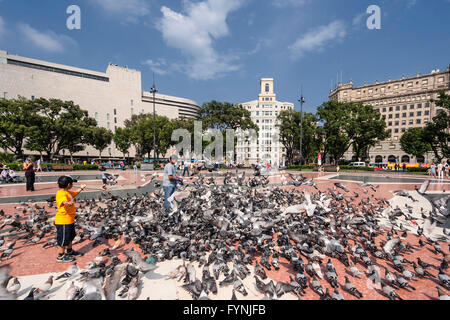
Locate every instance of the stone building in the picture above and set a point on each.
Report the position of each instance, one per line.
(404, 103)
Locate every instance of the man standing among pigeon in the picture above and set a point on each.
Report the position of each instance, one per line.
(170, 181)
(65, 219)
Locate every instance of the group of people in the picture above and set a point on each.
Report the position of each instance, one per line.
(7, 174)
(439, 170)
(400, 167)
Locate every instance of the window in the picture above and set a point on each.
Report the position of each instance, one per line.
(425, 82)
(267, 87)
(384, 109)
(96, 116)
(427, 105)
(132, 111)
(107, 116)
(115, 112)
(32, 98)
(441, 79)
(405, 107)
(418, 121)
(397, 115)
(132, 102)
(403, 122)
(115, 120)
(396, 123)
(404, 115)
(411, 106)
(384, 116)
(427, 112)
(5, 95)
(390, 123)
(107, 125)
(391, 109)
(390, 116)
(403, 130)
(419, 113)
(411, 121)
(419, 106)
(397, 108)
(410, 84)
(411, 114)
(396, 131)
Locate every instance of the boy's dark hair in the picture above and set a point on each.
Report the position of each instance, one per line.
(64, 181)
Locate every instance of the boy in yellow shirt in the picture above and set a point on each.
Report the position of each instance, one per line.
(65, 219)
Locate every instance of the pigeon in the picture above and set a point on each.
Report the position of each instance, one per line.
(441, 294)
(259, 271)
(402, 283)
(15, 286)
(30, 295)
(281, 288)
(350, 287)
(317, 287)
(421, 271)
(4, 279)
(443, 278)
(46, 286)
(72, 291)
(336, 295)
(390, 292)
(72, 271)
(138, 262)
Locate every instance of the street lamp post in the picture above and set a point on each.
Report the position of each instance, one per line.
(302, 101)
(154, 91)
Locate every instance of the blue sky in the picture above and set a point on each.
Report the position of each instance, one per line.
(219, 49)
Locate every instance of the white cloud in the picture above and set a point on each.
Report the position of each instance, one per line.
(194, 34)
(287, 3)
(318, 39)
(48, 41)
(358, 19)
(158, 67)
(128, 10)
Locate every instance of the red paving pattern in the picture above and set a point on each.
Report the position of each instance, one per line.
(34, 259)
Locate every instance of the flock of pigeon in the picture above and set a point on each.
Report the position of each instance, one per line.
(232, 231)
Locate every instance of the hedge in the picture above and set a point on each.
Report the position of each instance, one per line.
(85, 167)
(304, 167)
(344, 167)
(14, 166)
(417, 169)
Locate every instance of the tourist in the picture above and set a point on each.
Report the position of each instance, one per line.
(4, 175)
(38, 165)
(170, 181)
(433, 170)
(30, 176)
(65, 219)
(13, 175)
(447, 169)
(104, 177)
(186, 167)
(404, 167)
(440, 171)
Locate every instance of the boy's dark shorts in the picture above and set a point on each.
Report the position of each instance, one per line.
(104, 181)
(65, 233)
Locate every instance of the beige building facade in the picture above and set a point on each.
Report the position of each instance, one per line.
(404, 103)
(110, 97)
(266, 147)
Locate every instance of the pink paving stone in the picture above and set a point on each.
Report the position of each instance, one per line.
(34, 259)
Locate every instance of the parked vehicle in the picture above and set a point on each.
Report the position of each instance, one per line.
(358, 164)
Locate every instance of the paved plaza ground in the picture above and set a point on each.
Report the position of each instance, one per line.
(32, 264)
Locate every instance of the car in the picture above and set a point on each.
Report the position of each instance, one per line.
(358, 164)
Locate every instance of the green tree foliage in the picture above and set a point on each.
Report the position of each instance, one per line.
(58, 125)
(366, 128)
(350, 124)
(122, 139)
(16, 118)
(437, 132)
(415, 142)
(225, 115)
(99, 138)
(289, 128)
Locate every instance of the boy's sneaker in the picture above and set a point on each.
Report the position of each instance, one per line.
(74, 253)
(65, 258)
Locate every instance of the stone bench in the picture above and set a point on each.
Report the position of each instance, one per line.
(62, 168)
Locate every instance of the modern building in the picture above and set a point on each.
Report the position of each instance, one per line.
(110, 97)
(404, 103)
(266, 148)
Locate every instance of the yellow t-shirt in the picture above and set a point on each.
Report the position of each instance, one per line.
(65, 214)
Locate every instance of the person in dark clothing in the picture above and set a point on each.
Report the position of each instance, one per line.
(28, 166)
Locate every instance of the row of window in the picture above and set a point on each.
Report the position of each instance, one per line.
(405, 114)
(57, 70)
(411, 107)
(410, 122)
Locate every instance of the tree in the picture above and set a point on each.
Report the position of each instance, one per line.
(100, 138)
(289, 128)
(335, 118)
(17, 117)
(58, 125)
(122, 139)
(366, 127)
(225, 115)
(437, 132)
(414, 142)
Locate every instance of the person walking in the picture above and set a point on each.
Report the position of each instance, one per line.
(433, 170)
(30, 175)
(404, 167)
(446, 169)
(38, 165)
(440, 171)
(186, 167)
(170, 181)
